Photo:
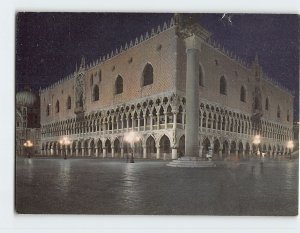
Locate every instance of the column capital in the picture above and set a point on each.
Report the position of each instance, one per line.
(193, 42)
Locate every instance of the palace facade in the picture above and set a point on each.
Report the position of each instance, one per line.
(141, 87)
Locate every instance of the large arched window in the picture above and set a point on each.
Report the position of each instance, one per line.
(243, 94)
(267, 104)
(69, 103)
(201, 77)
(223, 86)
(119, 85)
(148, 75)
(278, 111)
(57, 106)
(96, 93)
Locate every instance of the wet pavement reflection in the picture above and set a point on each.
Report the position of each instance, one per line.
(98, 186)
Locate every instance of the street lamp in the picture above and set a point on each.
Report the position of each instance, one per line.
(64, 142)
(28, 144)
(290, 146)
(256, 141)
(131, 138)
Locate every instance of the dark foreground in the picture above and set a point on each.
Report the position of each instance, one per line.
(95, 186)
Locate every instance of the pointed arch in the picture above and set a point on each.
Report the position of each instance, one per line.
(267, 104)
(148, 75)
(150, 147)
(119, 85)
(117, 148)
(206, 146)
(108, 146)
(165, 144)
(278, 111)
(217, 147)
(69, 102)
(95, 93)
(57, 106)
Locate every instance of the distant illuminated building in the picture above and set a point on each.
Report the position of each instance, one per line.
(27, 121)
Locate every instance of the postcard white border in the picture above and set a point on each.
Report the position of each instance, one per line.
(10, 222)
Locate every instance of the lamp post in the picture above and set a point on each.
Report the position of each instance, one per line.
(290, 146)
(256, 141)
(132, 137)
(28, 144)
(64, 143)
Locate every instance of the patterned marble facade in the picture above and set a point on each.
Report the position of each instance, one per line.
(142, 87)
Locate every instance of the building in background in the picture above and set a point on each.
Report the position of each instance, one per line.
(27, 121)
(141, 87)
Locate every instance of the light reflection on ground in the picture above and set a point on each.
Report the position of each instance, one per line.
(95, 186)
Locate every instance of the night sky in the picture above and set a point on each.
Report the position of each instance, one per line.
(48, 45)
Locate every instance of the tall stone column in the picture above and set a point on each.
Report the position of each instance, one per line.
(122, 152)
(104, 152)
(82, 151)
(174, 120)
(89, 151)
(112, 152)
(192, 97)
(166, 120)
(145, 122)
(158, 152)
(76, 151)
(144, 152)
(151, 122)
(96, 154)
(174, 153)
(139, 123)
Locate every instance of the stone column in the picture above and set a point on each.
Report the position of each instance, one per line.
(76, 151)
(82, 151)
(127, 119)
(200, 151)
(132, 122)
(192, 96)
(174, 153)
(122, 152)
(174, 120)
(144, 152)
(220, 153)
(151, 121)
(104, 152)
(112, 152)
(112, 124)
(166, 120)
(145, 122)
(157, 152)
(157, 120)
(96, 151)
(139, 123)
(183, 119)
(90, 150)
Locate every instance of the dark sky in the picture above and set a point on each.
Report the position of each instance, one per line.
(49, 45)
